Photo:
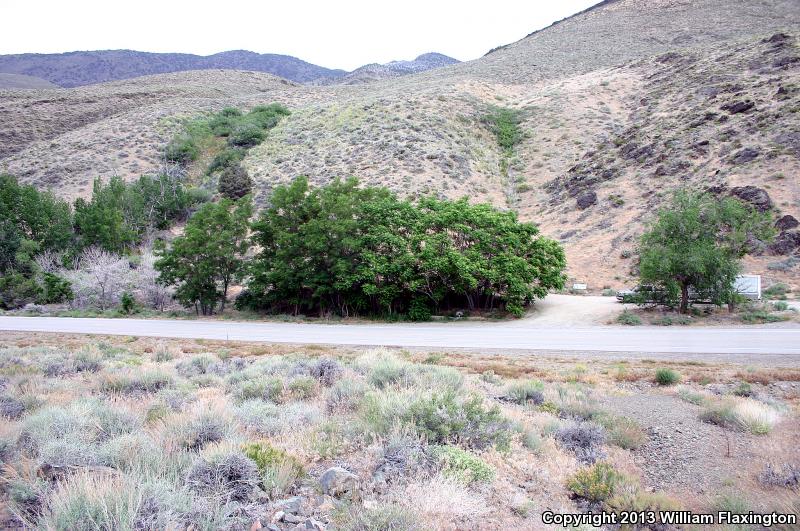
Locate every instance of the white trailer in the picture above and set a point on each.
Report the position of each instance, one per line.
(748, 286)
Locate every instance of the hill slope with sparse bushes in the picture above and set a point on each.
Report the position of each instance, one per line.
(612, 110)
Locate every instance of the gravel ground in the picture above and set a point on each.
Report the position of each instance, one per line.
(683, 454)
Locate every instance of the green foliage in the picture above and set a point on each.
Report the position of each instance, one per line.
(780, 306)
(505, 124)
(127, 303)
(30, 222)
(380, 517)
(235, 183)
(242, 132)
(182, 150)
(462, 466)
(346, 249)
(209, 256)
(530, 391)
(776, 291)
(17, 290)
(596, 483)
(445, 418)
(743, 389)
(667, 377)
(623, 431)
(303, 387)
(120, 214)
(690, 396)
(28, 214)
(696, 244)
(279, 470)
(761, 317)
(246, 135)
(629, 318)
(636, 500)
(227, 158)
(54, 289)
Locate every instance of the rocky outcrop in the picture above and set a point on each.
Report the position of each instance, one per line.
(786, 243)
(787, 222)
(738, 107)
(336, 481)
(586, 199)
(758, 197)
(743, 156)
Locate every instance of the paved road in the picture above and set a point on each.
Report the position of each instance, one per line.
(514, 335)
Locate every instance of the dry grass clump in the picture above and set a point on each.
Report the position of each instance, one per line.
(440, 498)
(744, 414)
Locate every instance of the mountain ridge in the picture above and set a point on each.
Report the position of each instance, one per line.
(82, 68)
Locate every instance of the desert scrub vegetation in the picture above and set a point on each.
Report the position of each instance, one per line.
(505, 125)
(665, 376)
(109, 438)
(228, 134)
(629, 318)
(744, 414)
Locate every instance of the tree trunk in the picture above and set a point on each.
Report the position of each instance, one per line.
(684, 298)
(224, 296)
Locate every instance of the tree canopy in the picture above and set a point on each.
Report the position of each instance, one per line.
(347, 249)
(696, 243)
(209, 256)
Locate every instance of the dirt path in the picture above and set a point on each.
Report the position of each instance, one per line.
(573, 310)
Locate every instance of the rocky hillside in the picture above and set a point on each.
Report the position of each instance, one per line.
(618, 106)
(75, 69)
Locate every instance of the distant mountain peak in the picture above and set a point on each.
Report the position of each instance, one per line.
(78, 68)
(377, 71)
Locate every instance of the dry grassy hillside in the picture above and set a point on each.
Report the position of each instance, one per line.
(17, 81)
(621, 104)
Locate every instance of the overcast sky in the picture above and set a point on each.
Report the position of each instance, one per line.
(336, 34)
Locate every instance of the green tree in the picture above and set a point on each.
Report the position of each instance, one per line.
(101, 221)
(351, 249)
(209, 256)
(695, 245)
(34, 215)
(119, 214)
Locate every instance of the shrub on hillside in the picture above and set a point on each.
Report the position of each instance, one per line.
(228, 476)
(227, 158)
(246, 136)
(278, 470)
(326, 371)
(667, 377)
(584, 439)
(462, 466)
(528, 392)
(182, 150)
(741, 414)
(235, 183)
(444, 418)
(596, 483)
(89, 501)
